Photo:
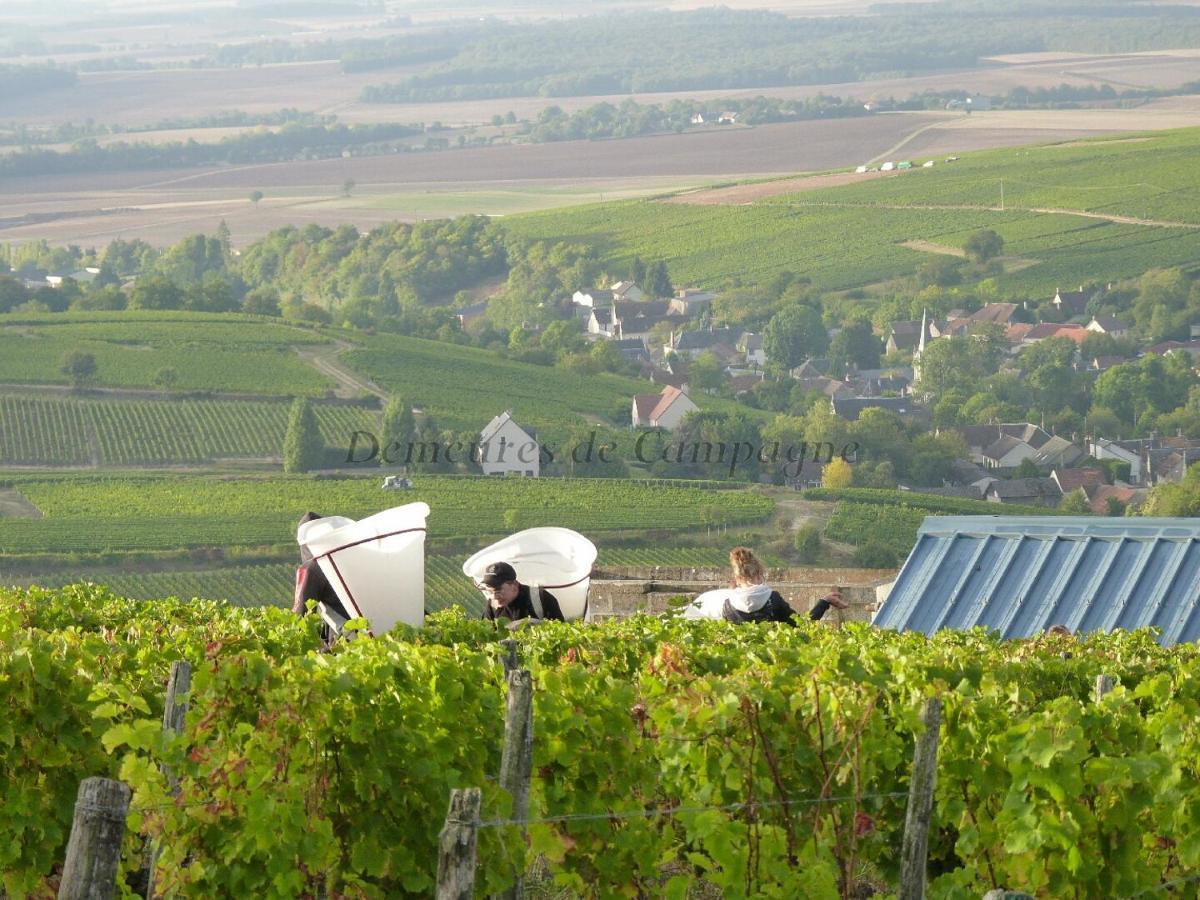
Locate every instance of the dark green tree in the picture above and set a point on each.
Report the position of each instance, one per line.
(856, 343)
(794, 334)
(303, 446)
(399, 428)
(658, 281)
(80, 367)
(983, 245)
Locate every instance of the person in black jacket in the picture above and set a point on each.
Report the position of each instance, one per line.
(753, 601)
(508, 599)
(311, 583)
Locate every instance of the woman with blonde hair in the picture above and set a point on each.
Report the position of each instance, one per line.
(752, 600)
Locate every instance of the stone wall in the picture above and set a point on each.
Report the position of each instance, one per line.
(617, 598)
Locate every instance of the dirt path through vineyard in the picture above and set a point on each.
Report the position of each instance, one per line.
(14, 505)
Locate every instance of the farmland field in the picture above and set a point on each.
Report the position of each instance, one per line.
(92, 513)
(164, 206)
(207, 352)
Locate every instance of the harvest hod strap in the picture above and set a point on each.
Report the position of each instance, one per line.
(333, 562)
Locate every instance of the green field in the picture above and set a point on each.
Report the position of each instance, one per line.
(208, 352)
(849, 236)
(66, 431)
(94, 513)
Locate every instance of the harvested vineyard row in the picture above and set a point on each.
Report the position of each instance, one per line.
(811, 729)
(36, 430)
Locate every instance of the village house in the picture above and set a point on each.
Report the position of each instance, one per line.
(1073, 303)
(751, 346)
(505, 448)
(904, 335)
(1046, 330)
(691, 301)
(1192, 348)
(1108, 325)
(1007, 446)
(632, 348)
(692, 343)
(850, 408)
(1024, 491)
(592, 299)
(1085, 479)
(664, 410)
(627, 291)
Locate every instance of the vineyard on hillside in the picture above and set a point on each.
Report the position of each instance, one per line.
(824, 233)
(47, 431)
(713, 758)
(464, 387)
(205, 352)
(97, 513)
(1152, 177)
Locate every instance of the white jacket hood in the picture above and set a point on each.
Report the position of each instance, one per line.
(750, 598)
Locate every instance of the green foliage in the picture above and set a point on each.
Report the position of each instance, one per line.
(1178, 499)
(80, 367)
(876, 554)
(793, 335)
(665, 753)
(808, 543)
(984, 245)
(889, 519)
(712, 49)
(303, 449)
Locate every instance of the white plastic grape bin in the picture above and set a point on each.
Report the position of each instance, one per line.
(559, 560)
(375, 565)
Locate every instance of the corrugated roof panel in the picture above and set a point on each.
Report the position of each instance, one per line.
(1019, 575)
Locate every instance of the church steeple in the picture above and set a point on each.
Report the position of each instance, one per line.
(920, 349)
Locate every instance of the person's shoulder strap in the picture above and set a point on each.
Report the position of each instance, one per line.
(535, 597)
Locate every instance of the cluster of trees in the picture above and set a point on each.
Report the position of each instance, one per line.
(24, 135)
(726, 49)
(630, 118)
(973, 383)
(293, 141)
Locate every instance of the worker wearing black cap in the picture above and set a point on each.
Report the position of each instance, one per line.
(508, 599)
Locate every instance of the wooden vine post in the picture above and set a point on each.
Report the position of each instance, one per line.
(1104, 684)
(94, 848)
(915, 851)
(179, 685)
(516, 759)
(457, 846)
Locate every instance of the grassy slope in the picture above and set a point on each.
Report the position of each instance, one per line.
(841, 237)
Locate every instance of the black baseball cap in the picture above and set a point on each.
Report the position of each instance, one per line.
(499, 573)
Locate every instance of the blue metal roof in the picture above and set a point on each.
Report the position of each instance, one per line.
(1020, 574)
